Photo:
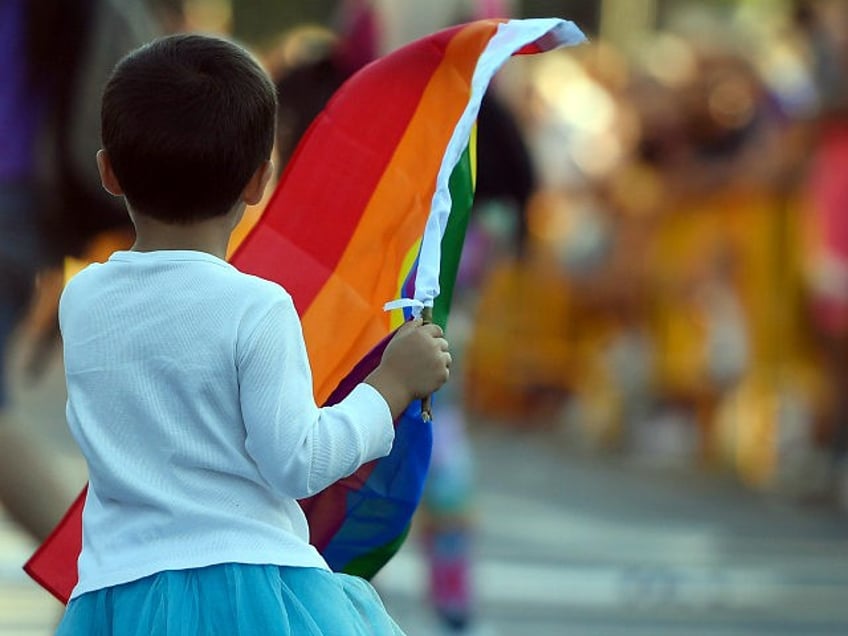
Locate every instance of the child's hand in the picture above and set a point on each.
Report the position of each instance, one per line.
(419, 356)
(415, 363)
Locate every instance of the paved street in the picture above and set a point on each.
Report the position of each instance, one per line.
(576, 545)
(584, 546)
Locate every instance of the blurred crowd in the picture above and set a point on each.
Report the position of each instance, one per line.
(682, 292)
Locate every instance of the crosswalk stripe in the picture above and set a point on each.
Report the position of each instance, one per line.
(500, 582)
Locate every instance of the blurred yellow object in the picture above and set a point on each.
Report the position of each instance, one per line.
(518, 360)
(98, 251)
(741, 240)
(767, 426)
(745, 430)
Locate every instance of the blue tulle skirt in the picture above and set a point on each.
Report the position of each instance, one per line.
(232, 599)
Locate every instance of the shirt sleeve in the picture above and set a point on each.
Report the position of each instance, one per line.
(299, 448)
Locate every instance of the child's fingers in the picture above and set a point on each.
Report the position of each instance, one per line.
(432, 329)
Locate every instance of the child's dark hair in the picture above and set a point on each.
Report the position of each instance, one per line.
(186, 121)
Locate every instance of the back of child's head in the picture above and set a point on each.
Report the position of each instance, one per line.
(186, 121)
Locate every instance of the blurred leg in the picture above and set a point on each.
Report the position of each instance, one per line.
(448, 549)
(31, 489)
(447, 526)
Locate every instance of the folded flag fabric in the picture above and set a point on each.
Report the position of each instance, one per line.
(372, 207)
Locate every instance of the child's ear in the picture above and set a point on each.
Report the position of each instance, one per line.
(255, 188)
(107, 175)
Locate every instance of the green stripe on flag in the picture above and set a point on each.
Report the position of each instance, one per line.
(461, 186)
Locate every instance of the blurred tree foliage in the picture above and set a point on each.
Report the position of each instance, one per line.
(582, 12)
(258, 21)
(587, 13)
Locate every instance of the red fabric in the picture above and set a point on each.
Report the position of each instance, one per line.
(829, 195)
(830, 189)
(54, 564)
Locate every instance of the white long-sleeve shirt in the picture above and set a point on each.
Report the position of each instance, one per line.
(190, 396)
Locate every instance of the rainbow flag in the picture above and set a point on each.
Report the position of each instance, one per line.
(372, 207)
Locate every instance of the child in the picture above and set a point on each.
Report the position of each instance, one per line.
(189, 388)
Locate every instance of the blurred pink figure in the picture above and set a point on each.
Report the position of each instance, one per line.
(360, 31)
(485, 9)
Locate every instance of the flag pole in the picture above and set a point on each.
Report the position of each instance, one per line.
(426, 413)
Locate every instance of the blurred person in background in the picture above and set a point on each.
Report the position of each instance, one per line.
(706, 163)
(726, 298)
(54, 55)
(824, 24)
(29, 490)
(573, 298)
(311, 62)
(662, 212)
(497, 229)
